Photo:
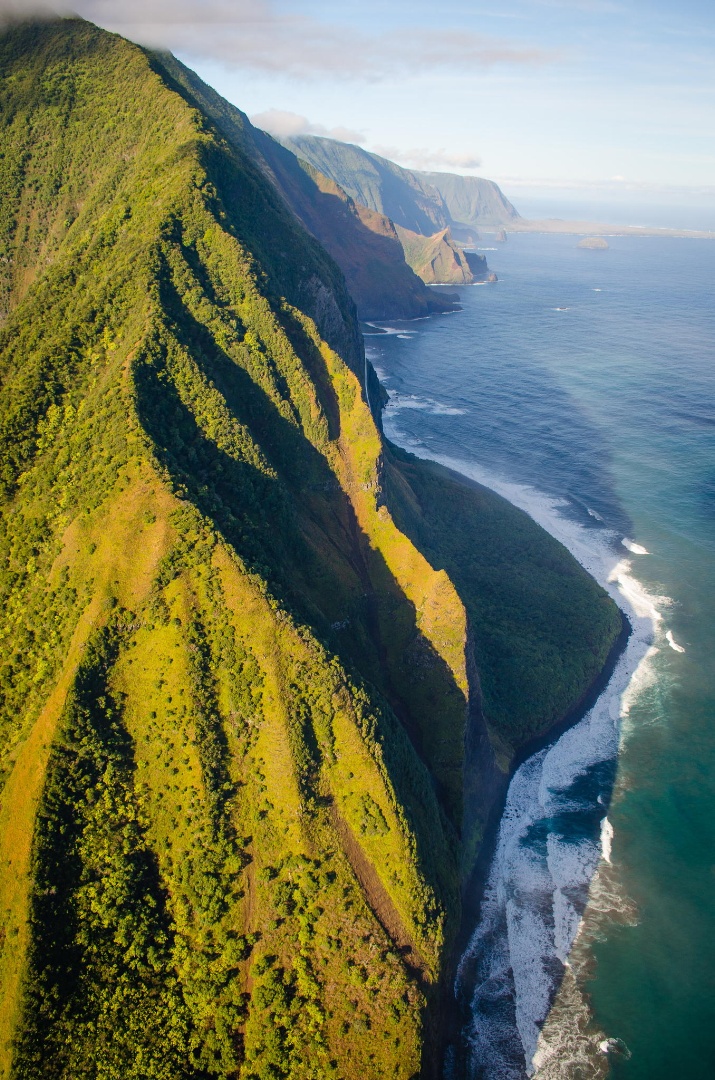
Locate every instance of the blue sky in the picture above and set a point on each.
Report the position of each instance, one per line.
(559, 97)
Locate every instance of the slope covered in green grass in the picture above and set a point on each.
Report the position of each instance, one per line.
(236, 690)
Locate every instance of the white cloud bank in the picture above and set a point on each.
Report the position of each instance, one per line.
(429, 160)
(285, 124)
(255, 34)
(613, 185)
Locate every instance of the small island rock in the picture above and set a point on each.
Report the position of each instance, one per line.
(593, 243)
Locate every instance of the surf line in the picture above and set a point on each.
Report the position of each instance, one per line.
(535, 895)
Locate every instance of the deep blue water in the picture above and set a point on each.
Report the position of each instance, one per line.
(582, 385)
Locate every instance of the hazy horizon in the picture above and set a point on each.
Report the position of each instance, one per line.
(564, 101)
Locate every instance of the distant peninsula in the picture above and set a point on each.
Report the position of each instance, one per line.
(574, 228)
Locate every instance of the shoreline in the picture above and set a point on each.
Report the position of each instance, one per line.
(477, 879)
(633, 683)
(458, 991)
(456, 995)
(457, 1001)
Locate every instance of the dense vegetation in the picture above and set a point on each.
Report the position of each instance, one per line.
(542, 626)
(235, 693)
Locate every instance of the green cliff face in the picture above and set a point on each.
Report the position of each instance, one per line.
(237, 678)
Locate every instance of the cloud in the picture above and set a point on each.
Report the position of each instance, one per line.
(255, 34)
(284, 124)
(421, 158)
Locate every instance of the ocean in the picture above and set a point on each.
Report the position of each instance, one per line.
(582, 387)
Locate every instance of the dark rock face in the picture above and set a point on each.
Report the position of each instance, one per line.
(478, 265)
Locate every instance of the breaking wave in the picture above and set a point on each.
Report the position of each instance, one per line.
(412, 401)
(552, 858)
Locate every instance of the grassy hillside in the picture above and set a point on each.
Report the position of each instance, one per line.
(235, 691)
(196, 572)
(542, 626)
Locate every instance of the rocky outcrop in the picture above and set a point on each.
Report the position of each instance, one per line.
(438, 260)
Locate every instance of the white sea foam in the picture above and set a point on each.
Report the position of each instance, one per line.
(642, 679)
(411, 401)
(538, 897)
(387, 331)
(635, 549)
(673, 644)
(536, 892)
(606, 839)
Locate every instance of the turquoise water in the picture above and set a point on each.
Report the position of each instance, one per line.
(583, 383)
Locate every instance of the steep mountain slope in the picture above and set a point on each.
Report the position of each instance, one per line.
(236, 696)
(363, 243)
(422, 202)
(229, 825)
(366, 245)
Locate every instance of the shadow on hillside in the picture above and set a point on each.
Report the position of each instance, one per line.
(361, 242)
(297, 530)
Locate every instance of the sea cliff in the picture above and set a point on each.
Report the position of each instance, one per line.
(251, 648)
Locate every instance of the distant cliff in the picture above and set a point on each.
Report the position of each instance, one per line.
(423, 202)
(472, 202)
(363, 243)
